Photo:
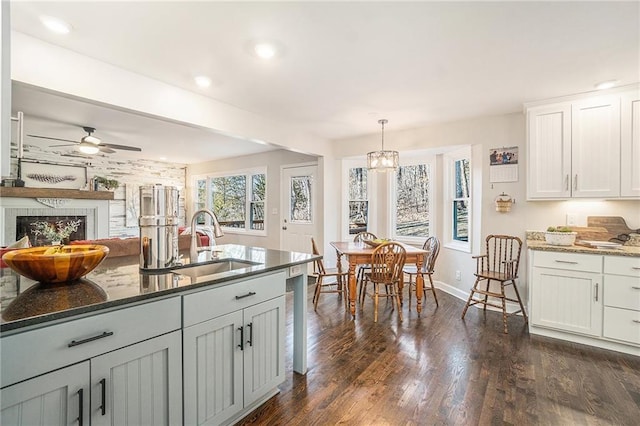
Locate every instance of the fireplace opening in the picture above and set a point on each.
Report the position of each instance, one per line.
(44, 230)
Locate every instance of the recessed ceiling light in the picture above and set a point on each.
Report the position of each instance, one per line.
(55, 25)
(265, 50)
(203, 81)
(163, 158)
(606, 84)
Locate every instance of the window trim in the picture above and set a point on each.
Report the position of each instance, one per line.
(415, 160)
(448, 197)
(248, 173)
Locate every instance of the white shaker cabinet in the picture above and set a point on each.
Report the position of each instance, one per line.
(54, 399)
(549, 148)
(566, 292)
(622, 299)
(630, 144)
(595, 147)
(574, 149)
(233, 349)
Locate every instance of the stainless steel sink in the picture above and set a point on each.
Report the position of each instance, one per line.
(215, 267)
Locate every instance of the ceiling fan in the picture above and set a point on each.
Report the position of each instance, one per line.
(90, 144)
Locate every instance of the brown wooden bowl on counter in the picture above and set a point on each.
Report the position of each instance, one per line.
(56, 264)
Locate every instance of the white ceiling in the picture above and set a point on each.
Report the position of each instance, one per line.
(344, 65)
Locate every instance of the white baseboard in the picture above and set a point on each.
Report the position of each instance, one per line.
(456, 292)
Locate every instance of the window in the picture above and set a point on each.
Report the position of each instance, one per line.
(238, 200)
(460, 208)
(457, 199)
(412, 194)
(358, 201)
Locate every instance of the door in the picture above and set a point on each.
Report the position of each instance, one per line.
(57, 398)
(139, 384)
(263, 349)
(567, 300)
(595, 147)
(213, 370)
(299, 208)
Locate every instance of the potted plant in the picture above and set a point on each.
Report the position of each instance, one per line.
(106, 183)
(560, 236)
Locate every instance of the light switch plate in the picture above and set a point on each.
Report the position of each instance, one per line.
(572, 219)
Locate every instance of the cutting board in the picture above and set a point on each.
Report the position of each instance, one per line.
(595, 233)
(615, 225)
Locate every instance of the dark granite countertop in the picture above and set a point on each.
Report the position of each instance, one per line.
(119, 281)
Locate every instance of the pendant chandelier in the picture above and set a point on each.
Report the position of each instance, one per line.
(383, 160)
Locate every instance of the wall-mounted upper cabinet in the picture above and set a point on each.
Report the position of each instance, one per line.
(630, 144)
(584, 148)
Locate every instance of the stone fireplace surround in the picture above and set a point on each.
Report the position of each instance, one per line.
(96, 212)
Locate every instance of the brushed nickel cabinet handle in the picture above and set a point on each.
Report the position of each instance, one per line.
(251, 293)
(596, 292)
(635, 288)
(566, 182)
(570, 262)
(575, 182)
(638, 321)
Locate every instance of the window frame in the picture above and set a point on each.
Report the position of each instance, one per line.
(348, 164)
(449, 198)
(248, 173)
(414, 160)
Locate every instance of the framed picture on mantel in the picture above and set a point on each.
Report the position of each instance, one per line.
(47, 175)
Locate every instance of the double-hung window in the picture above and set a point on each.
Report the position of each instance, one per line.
(238, 199)
(358, 200)
(458, 199)
(413, 193)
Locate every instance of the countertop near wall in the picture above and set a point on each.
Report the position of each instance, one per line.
(626, 250)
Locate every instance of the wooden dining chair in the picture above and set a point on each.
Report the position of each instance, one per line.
(432, 245)
(361, 237)
(387, 261)
(499, 263)
(337, 281)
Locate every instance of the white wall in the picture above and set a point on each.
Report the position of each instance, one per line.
(273, 160)
(482, 134)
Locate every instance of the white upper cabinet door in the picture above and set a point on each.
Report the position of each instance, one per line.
(630, 144)
(595, 147)
(549, 151)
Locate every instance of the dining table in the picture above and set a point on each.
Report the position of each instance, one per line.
(359, 253)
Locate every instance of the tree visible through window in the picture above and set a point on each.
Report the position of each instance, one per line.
(258, 195)
(358, 201)
(228, 195)
(461, 201)
(412, 201)
(301, 199)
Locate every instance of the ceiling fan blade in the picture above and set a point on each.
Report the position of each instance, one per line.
(66, 144)
(105, 149)
(123, 147)
(53, 139)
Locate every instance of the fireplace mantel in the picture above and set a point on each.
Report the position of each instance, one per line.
(18, 192)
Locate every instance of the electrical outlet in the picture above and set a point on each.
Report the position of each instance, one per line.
(572, 219)
(458, 276)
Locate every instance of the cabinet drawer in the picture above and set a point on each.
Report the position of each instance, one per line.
(622, 292)
(621, 265)
(38, 351)
(622, 324)
(568, 261)
(225, 298)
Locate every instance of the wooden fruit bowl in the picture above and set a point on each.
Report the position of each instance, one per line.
(56, 264)
(374, 243)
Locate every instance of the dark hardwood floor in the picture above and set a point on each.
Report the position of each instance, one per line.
(439, 369)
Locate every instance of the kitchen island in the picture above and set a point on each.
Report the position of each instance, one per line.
(126, 346)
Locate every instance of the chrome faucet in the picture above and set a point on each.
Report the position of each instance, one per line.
(217, 232)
